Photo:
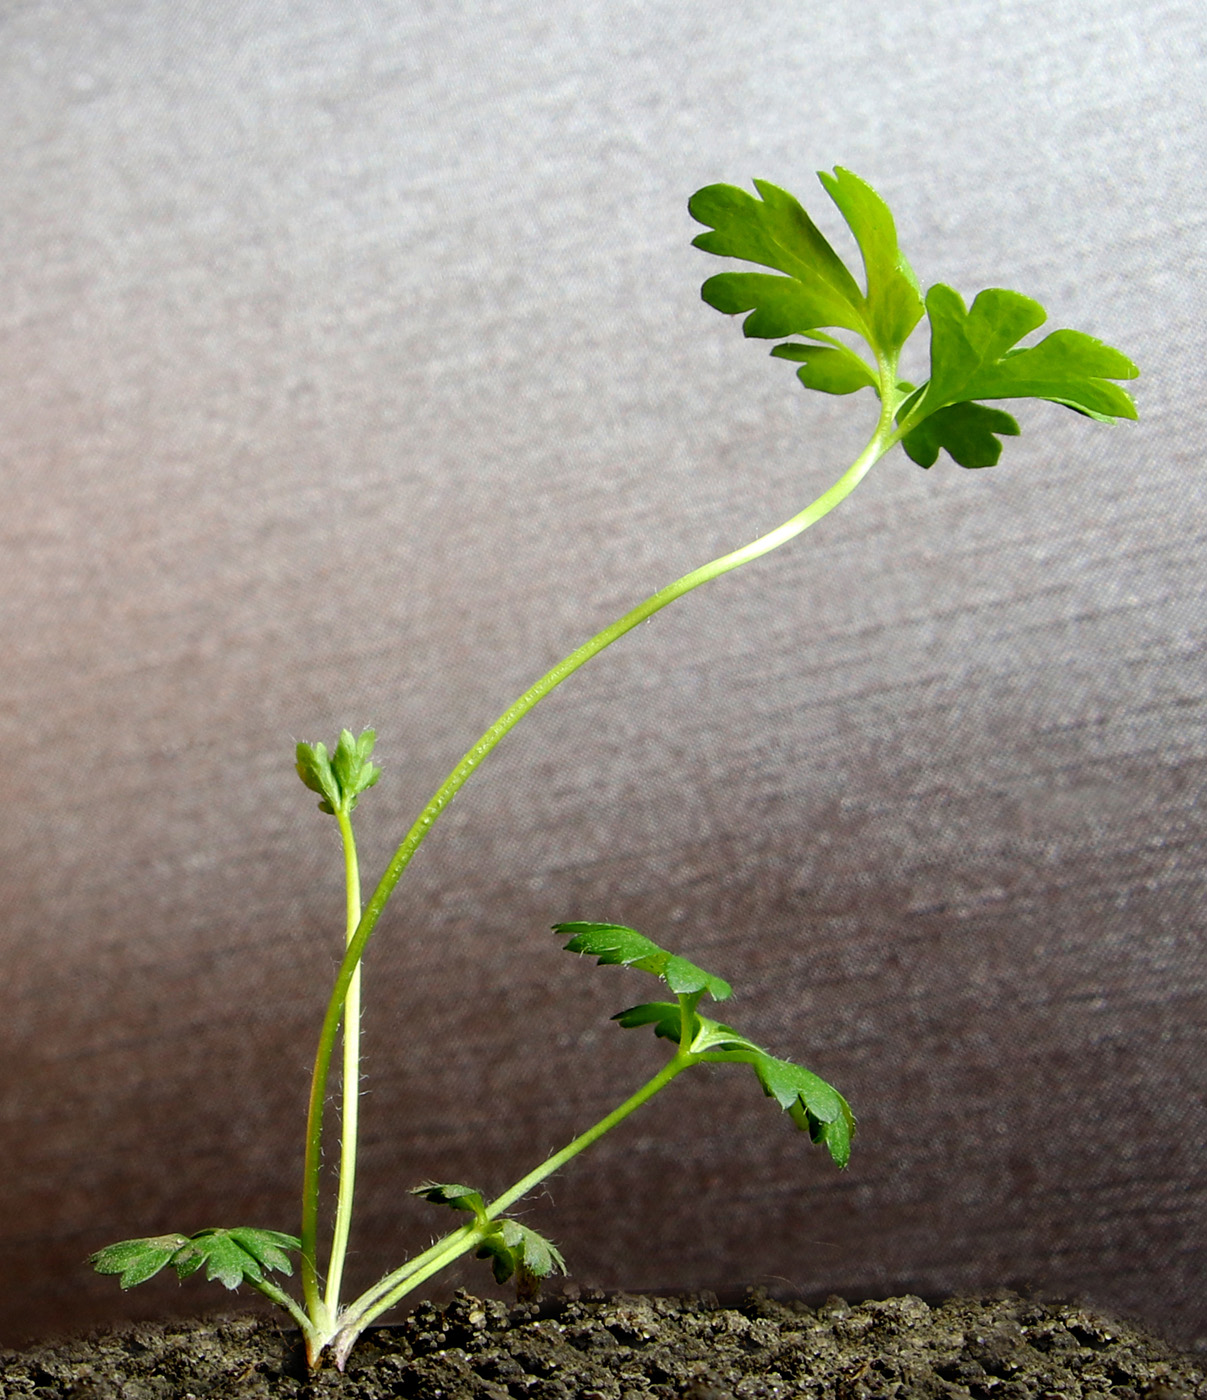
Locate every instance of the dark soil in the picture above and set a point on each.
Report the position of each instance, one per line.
(638, 1348)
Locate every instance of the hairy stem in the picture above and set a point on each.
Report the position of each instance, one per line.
(879, 443)
(383, 1295)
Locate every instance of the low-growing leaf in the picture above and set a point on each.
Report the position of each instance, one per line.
(616, 944)
(267, 1247)
(232, 1256)
(514, 1248)
(136, 1260)
(224, 1259)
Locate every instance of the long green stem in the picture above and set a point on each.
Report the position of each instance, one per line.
(351, 1076)
(879, 443)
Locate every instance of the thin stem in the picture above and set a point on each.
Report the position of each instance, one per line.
(385, 1294)
(674, 1066)
(876, 447)
(283, 1300)
(351, 1075)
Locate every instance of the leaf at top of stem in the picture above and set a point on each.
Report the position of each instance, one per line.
(817, 290)
(974, 351)
(974, 355)
(618, 945)
(342, 776)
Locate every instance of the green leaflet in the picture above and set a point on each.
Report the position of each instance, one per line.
(813, 1105)
(974, 354)
(616, 944)
(817, 290)
(341, 777)
(136, 1260)
(230, 1256)
(831, 369)
(970, 433)
(894, 298)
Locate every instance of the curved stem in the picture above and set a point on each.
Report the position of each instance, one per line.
(876, 447)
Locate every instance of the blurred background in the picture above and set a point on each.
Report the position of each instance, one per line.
(353, 371)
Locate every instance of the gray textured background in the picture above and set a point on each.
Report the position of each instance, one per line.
(353, 370)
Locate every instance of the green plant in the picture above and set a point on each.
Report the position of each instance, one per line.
(850, 338)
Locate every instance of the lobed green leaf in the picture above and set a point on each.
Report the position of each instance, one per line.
(813, 1105)
(513, 1248)
(818, 289)
(974, 354)
(136, 1260)
(894, 298)
(974, 351)
(230, 1256)
(666, 1017)
(830, 369)
(970, 433)
(615, 944)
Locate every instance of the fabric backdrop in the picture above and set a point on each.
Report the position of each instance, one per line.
(354, 370)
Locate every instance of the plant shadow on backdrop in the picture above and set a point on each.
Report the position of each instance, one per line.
(851, 339)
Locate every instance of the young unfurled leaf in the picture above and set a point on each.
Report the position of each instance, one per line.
(614, 943)
(230, 1255)
(340, 777)
(974, 354)
(818, 290)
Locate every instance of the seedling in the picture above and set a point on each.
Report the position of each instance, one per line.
(850, 338)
